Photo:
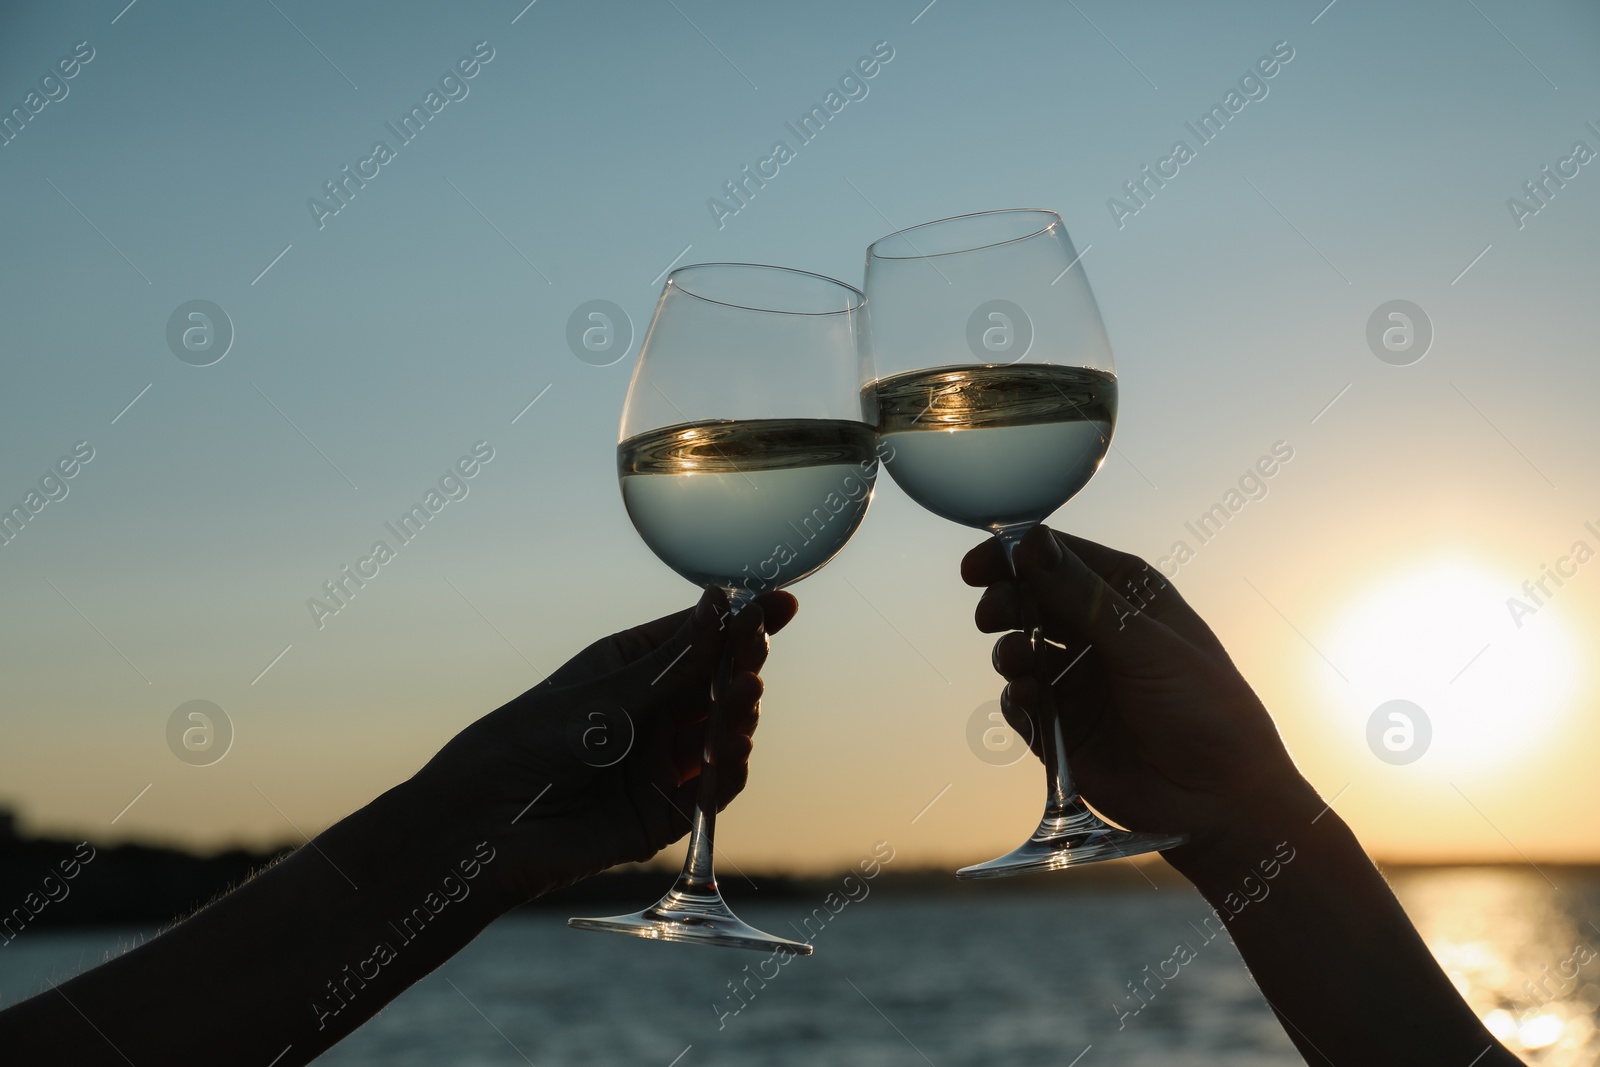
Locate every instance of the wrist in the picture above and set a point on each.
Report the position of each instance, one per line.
(1258, 833)
(404, 851)
(370, 905)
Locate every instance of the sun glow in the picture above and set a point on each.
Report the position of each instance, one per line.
(1442, 638)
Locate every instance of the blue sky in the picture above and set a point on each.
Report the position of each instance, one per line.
(374, 351)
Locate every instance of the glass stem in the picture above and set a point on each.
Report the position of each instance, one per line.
(698, 877)
(1061, 799)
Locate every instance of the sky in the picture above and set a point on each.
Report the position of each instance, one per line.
(375, 346)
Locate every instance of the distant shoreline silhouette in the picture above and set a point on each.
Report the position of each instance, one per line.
(145, 884)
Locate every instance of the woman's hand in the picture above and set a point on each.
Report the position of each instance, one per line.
(1163, 732)
(600, 763)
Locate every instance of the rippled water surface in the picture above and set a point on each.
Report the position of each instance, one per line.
(1017, 978)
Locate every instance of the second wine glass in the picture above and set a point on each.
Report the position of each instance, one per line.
(996, 405)
(747, 461)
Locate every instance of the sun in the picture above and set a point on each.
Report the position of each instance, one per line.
(1480, 690)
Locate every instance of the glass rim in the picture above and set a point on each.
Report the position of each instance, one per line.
(858, 302)
(1054, 220)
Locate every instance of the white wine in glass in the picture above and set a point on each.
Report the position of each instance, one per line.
(748, 504)
(996, 446)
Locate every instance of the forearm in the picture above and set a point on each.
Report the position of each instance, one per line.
(1330, 948)
(294, 959)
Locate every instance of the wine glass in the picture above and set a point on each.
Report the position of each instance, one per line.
(747, 460)
(996, 405)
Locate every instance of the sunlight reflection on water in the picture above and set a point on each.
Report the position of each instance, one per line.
(1521, 950)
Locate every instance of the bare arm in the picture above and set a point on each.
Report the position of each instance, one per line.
(1333, 953)
(294, 959)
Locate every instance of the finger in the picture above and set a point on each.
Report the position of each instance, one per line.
(733, 768)
(1079, 718)
(747, 639)
(1000, 608)
(751, 628)
(681, 800)
(641, 640)
(1019, 703)
(684, 659)
(750, 654)
(1143, 585)
(1074, 602)
(986, 564)
(688, 751)
(732, 756)
(1020, 720)
(1014, 656)
(733, 773)
(749, 650)
(733, 752)
(1068, 671)
(777, 610)
(739, 719)
(744, 705)
(739, 704)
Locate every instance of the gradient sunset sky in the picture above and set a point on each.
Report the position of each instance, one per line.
(374, 347)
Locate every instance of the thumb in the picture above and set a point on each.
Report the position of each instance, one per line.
(604, 717)
(1075, 601)
(681, 662)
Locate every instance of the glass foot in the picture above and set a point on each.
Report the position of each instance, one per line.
(1071, 840)
(698, 918)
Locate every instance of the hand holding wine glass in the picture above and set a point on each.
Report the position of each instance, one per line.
(1163, 731)
(747, 461)
(608, 748)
